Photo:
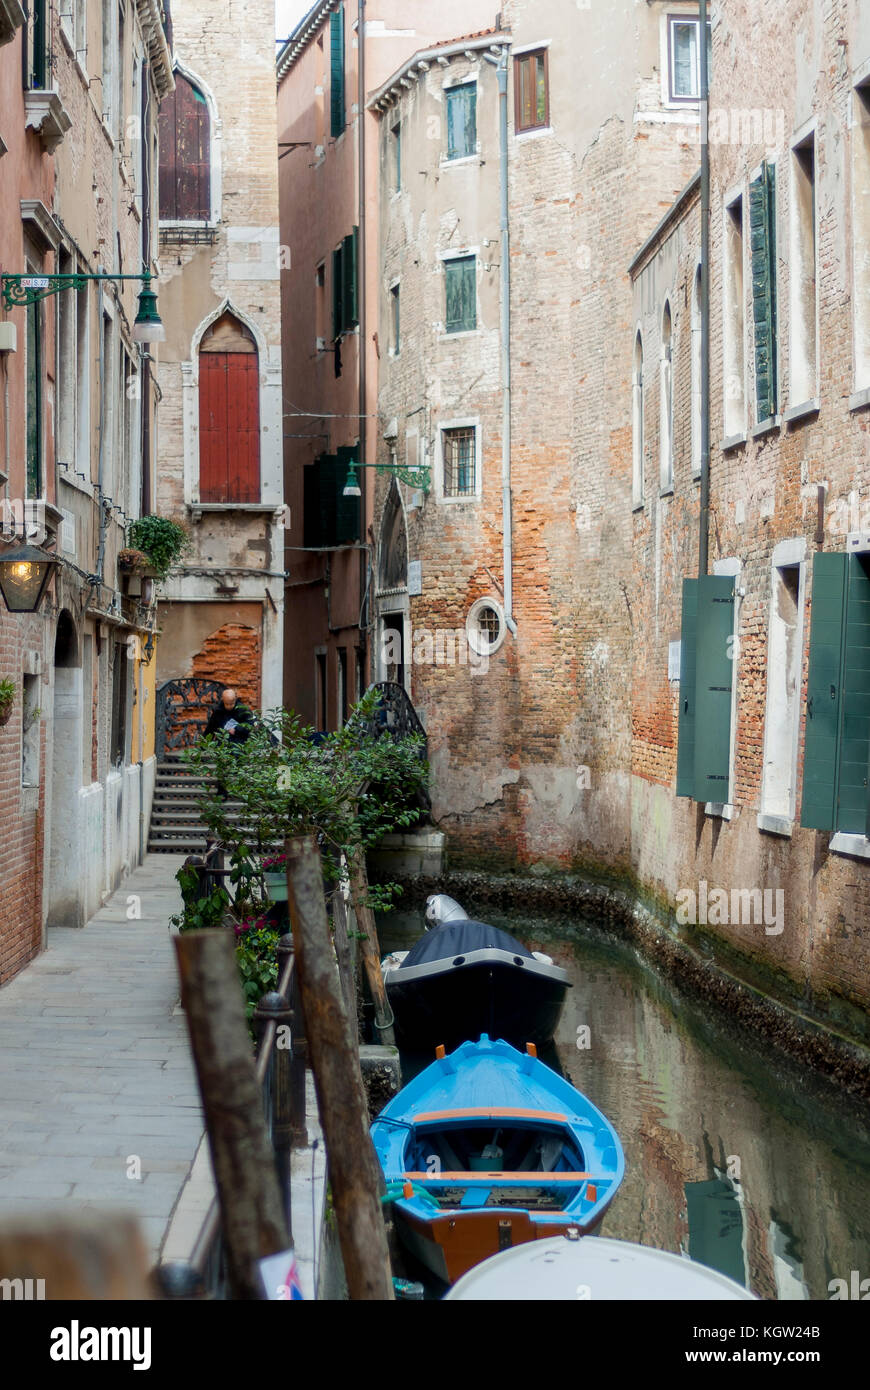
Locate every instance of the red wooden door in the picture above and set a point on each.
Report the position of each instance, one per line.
(229, 427)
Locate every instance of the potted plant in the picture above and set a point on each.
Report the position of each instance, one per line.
(275, 877)
(7, 697)
(162, 541)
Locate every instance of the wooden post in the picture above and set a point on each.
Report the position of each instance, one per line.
(252, 1215)
(343, 954)
(354, 1173)
(369, 947)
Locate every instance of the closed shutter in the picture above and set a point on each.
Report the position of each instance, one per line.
(338, 291)
(229, 427)
(349, 258)
(713, 686)
(822, 729)
(852, 798)
(762, 240)
(311, 522)
(336, 68)
(461, 121)
(686, 725)
(347, 509)
(461, 294)
(185, 176)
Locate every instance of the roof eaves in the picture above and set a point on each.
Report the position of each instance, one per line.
(421, 61)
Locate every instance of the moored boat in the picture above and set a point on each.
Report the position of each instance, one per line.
(493, 1149)
(464, 978)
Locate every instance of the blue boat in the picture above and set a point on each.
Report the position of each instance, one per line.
(489, 1148)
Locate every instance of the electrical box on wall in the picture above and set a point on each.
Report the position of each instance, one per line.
(8, 336)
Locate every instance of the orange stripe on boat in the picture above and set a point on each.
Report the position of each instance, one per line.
(497, 1179)
(498, 1112)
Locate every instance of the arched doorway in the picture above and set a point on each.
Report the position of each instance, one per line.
(392, 659)
(65, 895)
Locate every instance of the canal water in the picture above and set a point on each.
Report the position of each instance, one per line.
(735, 1155)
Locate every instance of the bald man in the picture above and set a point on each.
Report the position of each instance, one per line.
(231, 715)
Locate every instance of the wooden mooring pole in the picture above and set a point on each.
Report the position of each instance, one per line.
(353, 1167)
(369, 947)
(252, 1215)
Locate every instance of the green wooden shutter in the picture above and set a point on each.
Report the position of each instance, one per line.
(762, 241)
(337, 291)
(686, 726)
(350, 315)
(822, 729)
(460, 283)
(852, 795)
(347, 509)
(713, 686)
(461, 121)
(336, 71)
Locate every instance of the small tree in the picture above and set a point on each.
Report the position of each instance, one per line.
(348, 789)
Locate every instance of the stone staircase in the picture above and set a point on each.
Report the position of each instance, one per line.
(176, 827)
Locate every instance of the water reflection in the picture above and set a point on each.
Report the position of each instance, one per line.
(734, 1155)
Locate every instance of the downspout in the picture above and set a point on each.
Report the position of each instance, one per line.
(361, 288)
(507, 521)
(101, 455)
(704, 518)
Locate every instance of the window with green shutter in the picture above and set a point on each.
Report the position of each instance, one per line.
(328, 517)
(336, 71)
(837, 732)
(460, 287)
(462, 120)
(345, 310)
(706, 685)
(762, 241)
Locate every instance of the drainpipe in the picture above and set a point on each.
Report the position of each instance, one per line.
(101, 457)
(704, 519)
(507, 523)
(361, 277)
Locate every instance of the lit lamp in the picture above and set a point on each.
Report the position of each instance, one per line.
(24, 575)
(147, 325)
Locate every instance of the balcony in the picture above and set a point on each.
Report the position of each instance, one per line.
(46, 114)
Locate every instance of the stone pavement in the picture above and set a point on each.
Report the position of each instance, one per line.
(95, 1068)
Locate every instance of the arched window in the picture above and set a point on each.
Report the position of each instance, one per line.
(666, 422)
(185, 154)
(696, 374)
(229, 414)
(637, 425)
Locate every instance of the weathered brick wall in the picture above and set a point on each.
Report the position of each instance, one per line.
(22, 812)
(232, 655)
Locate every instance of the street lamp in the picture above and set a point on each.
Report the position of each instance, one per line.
(21, 290)
(414, 477)
(24, 575)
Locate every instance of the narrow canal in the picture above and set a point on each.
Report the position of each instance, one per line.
(734, 1154)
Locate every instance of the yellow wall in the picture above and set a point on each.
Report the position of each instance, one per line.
(144, 688)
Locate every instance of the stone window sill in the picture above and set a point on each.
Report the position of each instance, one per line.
(46, 114)
(667, 491)
(196, 509)
(775, 825)
(856, 845)
(724, 810)
(802, 410)
(732, 441)
(767, 426)
(860, 399)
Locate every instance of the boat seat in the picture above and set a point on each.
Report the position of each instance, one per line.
(525, 1179)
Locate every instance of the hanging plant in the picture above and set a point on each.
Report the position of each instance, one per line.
(130, 559)
(161, 539)
(7, 696)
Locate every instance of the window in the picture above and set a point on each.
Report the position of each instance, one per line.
(345, 313)
(531, 91)
(320, 676)
(684, 58)
(342, 687)
(336, 72)
(320, 306)
(696, 374)
(30, 730)
(396, 151)
(36, 49)
(861, 231)
(229, 414)
(707, 668)
(802, 274)
(185, 154)
(762, 232)
(108, 84)
(67, 365)
(733, 322)
(394, 320)
(460, 462)
(782, 713)
(637, 425)
(118, 744)
(666, 423)
(83, 382)
(460, 285)
(461, 120)
(485, 626)
(329, 518)
(837, 731)
(34, 406)
(73, 18)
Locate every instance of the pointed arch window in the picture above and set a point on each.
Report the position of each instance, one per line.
(229, 414)
(185, 154)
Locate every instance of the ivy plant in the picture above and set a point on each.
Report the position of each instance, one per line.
(163, 540)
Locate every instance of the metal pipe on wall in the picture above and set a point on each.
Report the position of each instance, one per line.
(361, 285)
(704, 518)
(507, 519)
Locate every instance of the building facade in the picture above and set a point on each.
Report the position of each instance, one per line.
(220, 449)
(78, 100)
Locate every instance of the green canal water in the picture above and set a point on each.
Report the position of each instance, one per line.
(734, 1154)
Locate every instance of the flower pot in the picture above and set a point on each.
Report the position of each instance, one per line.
(5, 713)
(276, 885)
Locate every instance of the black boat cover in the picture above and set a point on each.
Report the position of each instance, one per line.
(458, 939)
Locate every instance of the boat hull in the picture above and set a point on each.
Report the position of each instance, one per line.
(489, 993)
